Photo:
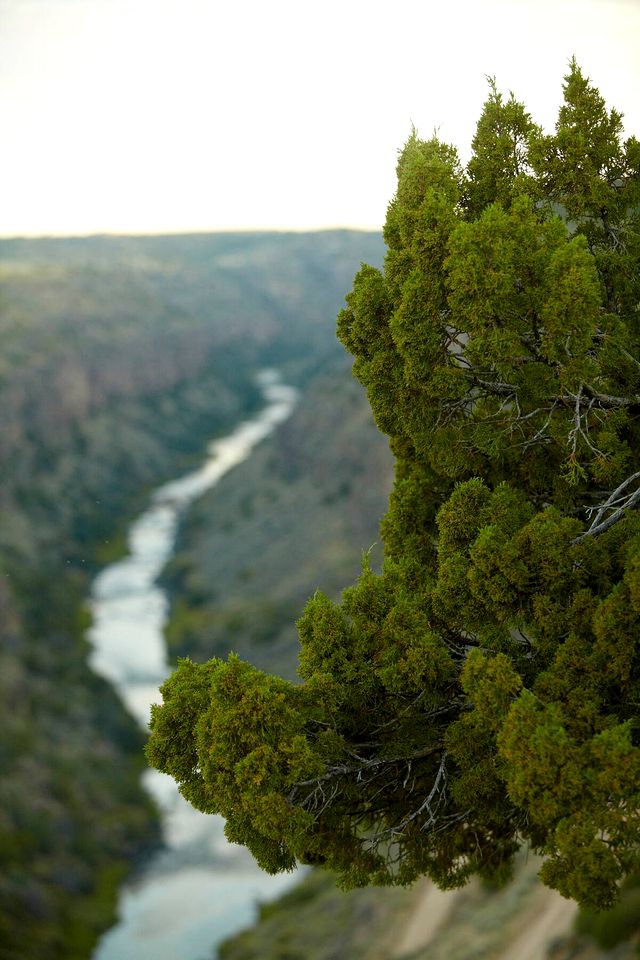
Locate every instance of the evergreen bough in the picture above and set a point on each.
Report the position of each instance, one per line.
(482, 692)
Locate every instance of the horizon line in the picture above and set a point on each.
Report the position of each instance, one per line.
(118, 234)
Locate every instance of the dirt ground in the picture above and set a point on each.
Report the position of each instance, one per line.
(432, 910)
(517, 923)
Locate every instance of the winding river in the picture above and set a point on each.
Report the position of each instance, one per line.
(198, 889)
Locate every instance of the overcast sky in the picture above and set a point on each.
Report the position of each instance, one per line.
(147, 116)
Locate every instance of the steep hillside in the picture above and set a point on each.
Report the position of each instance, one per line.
(296, 517)
(520, 921)
(119, 358)
(158, 335)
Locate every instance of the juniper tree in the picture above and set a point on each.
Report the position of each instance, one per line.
(482, 691)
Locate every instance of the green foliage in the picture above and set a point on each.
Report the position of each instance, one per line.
(482, 691)
(611, 927)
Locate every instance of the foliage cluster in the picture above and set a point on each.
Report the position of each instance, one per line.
(617, 925)
(481, 692)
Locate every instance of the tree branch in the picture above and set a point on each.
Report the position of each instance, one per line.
(607, 402)
(617, 501)
(343, 770)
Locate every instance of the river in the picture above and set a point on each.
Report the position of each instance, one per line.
(198, 889)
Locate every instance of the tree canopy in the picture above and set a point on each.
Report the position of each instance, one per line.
(482, 691)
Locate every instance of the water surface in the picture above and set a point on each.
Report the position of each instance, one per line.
(199, 889)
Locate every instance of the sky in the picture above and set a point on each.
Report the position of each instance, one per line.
(169, 116)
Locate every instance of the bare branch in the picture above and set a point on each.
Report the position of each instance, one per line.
(502, 389)
(617, 502)
(345, 770)
(606, 401)
(436, 793)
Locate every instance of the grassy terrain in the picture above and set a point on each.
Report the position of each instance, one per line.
(316, 921)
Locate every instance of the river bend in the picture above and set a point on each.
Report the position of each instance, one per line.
(198, 889)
